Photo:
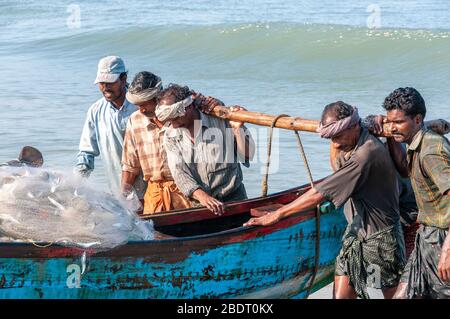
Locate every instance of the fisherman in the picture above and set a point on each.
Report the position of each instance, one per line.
(407, 200)
(427, 163)
(143, 150)
(104, 128)
(366, 185)
(407, 203)
(203, 151)
(29, 156)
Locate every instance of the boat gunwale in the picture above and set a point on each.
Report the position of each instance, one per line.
(286, 223)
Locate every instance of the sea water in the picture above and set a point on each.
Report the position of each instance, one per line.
(280, 57)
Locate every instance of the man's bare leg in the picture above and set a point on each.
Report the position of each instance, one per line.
(389, 293)
(401, 291)
(342, 288)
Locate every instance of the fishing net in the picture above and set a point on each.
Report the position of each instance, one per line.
(39, 205)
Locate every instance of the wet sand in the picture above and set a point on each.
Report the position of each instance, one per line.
(327, 293)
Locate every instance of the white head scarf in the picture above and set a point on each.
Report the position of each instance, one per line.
(167, 112)
(144, 95)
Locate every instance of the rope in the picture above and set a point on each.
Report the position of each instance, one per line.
(317, 246)
(311, 181)
(317, 256)
(40, 246)
(305, 160)
(269, 152)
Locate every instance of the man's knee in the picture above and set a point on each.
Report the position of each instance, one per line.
(343, 289)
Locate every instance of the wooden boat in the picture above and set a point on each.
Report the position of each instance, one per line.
(200, 255)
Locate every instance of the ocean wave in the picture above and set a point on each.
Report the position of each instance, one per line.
(268, 42)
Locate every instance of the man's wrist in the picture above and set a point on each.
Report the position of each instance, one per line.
(279, 215)
(238, 130)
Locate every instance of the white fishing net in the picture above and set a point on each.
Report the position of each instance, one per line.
(39, 205)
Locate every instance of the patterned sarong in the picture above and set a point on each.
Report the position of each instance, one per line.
(421, 273)
(378, 258)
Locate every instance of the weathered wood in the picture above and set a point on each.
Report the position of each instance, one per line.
(289, 123)
(240, 262)
(300, 124)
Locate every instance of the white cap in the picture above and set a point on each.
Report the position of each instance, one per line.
(109, 69)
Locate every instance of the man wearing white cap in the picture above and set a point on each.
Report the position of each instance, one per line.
(104, 128)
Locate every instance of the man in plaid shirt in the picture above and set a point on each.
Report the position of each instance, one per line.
(143, 150)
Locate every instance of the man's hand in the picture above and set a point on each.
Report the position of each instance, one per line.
(269, 219)
(82, 170)
(236, 124)
(214, 205)
(205, 103)
(444, 260)
(374, 123)
(444, 265)
(439, 126)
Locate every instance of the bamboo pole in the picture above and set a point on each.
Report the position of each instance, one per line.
(301, 124)
(289, 123)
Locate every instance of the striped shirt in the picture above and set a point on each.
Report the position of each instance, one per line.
(210, 164)
(143, 149)
(429, 165)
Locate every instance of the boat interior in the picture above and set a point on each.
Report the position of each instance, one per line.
(201, 221)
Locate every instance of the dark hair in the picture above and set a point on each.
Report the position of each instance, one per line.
(407, 100)
(337, 110)
(144, 80)
(177, 91)
(122, 75)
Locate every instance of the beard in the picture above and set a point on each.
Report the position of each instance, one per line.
(399, 137)
(109, 96)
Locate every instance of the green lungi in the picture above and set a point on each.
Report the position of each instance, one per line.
(378, 258)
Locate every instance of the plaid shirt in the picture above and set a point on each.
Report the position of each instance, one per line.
(143, 149)
(429, 166)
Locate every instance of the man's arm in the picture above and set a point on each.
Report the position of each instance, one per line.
(337, 187)
(244, 141)
(334, 154)
(185, 181)
(308, 200)
(444, 261)
(436, 165)
(375, 123)
(127, 181)
(88, 148)
(245, 144)
(131, 166)
(398, 155)
(438, 126)
(208, 201)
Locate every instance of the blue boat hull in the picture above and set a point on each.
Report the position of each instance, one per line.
(269, 262)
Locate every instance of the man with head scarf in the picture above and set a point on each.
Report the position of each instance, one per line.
(105, 124)
(203, 151)
(143, 149)
(29, 156)
(365, 184)
(427, 163)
